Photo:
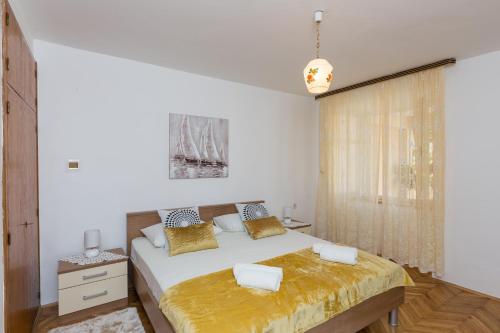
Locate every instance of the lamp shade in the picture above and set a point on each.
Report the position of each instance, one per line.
(92, 239)
(318, 76)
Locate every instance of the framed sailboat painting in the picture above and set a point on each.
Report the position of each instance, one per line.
(198, 147)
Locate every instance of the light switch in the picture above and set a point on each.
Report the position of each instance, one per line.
(73, 164)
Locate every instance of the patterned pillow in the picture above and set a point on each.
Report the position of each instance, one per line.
(252, 211)
(177, 218)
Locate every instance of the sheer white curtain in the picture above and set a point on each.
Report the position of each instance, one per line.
(381, 169)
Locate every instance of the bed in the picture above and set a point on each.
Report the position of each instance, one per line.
(153, 271)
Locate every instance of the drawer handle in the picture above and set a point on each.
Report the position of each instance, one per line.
(93, 276)
(86, 298)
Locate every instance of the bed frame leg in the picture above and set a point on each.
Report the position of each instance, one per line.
(393, 317)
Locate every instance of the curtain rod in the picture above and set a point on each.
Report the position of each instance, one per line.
(389, 77)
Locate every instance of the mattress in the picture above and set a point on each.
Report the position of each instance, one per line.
(162, 271)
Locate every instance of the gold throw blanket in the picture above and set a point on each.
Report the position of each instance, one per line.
(312, 291)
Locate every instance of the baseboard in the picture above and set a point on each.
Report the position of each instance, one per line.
(472, 291)
(48, 305)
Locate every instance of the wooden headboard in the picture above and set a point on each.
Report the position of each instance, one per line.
(140, 220)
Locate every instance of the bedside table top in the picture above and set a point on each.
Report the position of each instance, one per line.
(66, 267)
(297, 225)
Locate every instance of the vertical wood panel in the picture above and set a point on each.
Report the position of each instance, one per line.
(19, 63)
(33, 264)
(20, 174)
(19, 315)
(16, 149)
(13, 68)
(22, 271)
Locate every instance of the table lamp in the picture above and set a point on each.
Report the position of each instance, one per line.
(92, 242)
(287, 215)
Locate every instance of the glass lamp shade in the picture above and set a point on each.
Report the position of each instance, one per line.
(287, 212)
(92, 239)
(318, 76)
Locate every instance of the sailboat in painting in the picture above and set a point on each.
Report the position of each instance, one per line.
(208, 158)
(214, 157)
(204, 158)
(222, 155)
(186, 149)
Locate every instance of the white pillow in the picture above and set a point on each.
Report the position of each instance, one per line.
(217, 230)
(252, 211)
(230, 222)
(156, 235)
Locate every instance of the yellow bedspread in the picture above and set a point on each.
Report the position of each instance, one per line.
(312, 291)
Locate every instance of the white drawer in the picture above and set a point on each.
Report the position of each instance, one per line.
(92, 294)
(77, 278)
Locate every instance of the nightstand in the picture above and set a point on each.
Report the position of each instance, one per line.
(87, 286)
(305, 228)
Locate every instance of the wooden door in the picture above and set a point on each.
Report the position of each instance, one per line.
(21, 227)
(22, 269)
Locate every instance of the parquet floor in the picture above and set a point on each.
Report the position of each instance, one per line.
(432, 306)
(436, 306)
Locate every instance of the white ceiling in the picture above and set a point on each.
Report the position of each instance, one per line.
(267, 43)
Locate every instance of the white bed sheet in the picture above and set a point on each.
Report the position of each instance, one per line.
(162, 271)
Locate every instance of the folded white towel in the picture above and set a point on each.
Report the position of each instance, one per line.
(318, 246)
(260, 280)
(259, 268)
(342, 254)
(258, 276)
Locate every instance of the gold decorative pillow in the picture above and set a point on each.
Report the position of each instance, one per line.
(265, 227)
(193, 238)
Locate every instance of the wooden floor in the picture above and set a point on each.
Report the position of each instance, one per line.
(430, 306)
(436, 306)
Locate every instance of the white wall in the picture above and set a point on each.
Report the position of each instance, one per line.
(472, 229)
(112, 115)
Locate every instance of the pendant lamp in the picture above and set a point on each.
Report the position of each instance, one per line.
(318, 72)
